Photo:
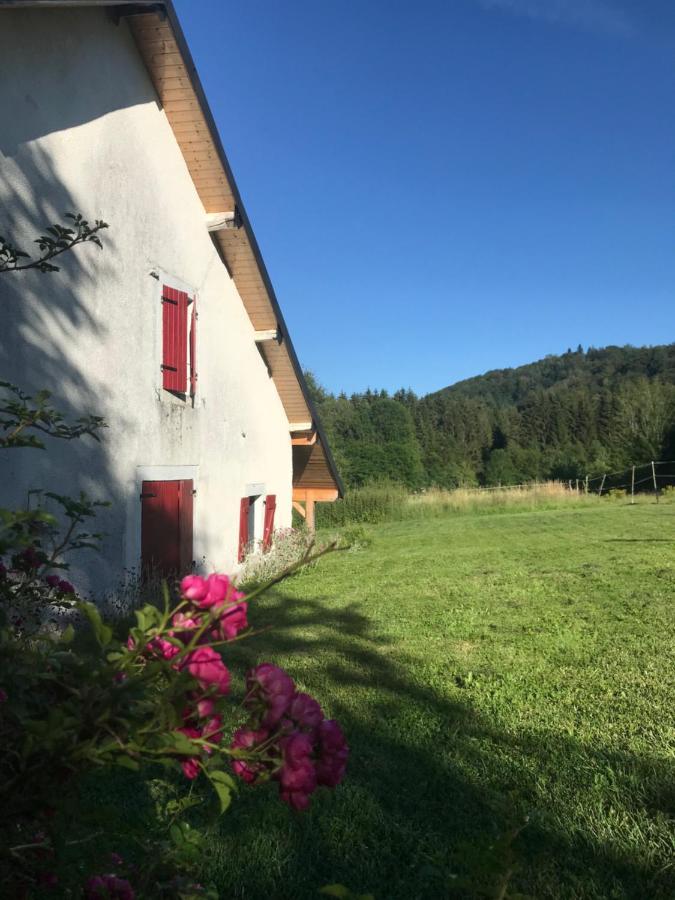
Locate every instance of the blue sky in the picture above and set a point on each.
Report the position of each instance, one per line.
(442, 188)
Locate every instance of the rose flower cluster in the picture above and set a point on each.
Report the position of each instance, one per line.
(288, 738)
(215, 612)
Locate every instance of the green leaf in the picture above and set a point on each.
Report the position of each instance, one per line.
(181, 743)
(223, 778)
(224, 795)
(102, 632)
(336, 890)
(127, 763)
(68, 634)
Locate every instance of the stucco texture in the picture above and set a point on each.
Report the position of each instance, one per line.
(81, 131)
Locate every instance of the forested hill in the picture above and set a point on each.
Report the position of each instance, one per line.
(561, 417)
(595, 369)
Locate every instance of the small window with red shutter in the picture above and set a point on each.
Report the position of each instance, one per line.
(179, 342)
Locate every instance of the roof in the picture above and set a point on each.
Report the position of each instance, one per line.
(163, 47)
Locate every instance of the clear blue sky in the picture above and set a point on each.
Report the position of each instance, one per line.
(444, 187)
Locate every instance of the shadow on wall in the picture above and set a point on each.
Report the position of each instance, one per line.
(50, 323)
(44, 319)
(431, 787)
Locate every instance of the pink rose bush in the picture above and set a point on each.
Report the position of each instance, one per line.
(287, 737)
(160, 695)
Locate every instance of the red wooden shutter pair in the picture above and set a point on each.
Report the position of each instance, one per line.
(175, 341)
(166, 527)
(244, 507)
(193, 349)
(268, 528)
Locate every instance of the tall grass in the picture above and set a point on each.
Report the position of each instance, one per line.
(391, 502)
(380, 502)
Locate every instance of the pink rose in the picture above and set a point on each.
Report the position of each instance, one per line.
(231, 621)
(333, 754)
(246, 739)
(306, 711)
(297, 776)
(271, 687)
(184, 624)
(296, 748)
(194, 587)
(163, 648)
(66, 587)
(208, 668)
(213, 731)
(52, 580)
(191, 767)
(205, 707)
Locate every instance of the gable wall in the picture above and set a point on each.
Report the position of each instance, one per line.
(82, 131)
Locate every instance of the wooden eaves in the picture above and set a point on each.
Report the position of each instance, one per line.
(162, 45)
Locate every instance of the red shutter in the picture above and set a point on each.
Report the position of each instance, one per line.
(243, 527)
(160, 540)
(174, 339)
(185, 552)
(193, 349)
(268, 528)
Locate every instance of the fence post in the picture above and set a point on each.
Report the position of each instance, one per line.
(632, 485)
(577, 486)
(586, 485)
(656, 490)
(602, 484)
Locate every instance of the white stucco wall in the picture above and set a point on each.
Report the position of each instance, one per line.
(81, 131)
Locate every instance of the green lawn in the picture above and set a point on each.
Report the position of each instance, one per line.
(486, 668)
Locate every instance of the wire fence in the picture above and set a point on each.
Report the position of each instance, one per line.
(650, 477)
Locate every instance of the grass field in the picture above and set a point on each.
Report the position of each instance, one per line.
(486, 668)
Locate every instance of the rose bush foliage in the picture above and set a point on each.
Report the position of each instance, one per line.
(81, 698)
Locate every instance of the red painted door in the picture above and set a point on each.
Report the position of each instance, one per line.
(166, 528)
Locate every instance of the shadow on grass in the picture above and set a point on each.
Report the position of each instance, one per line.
(431, 787)
(638, 540)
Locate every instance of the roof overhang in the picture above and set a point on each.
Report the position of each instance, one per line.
(163, 47)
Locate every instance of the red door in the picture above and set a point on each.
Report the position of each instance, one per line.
(166, 528)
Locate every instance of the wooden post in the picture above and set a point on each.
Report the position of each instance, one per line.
(586, 485)
(602, 484)
(569, 485)
(632, 485)
(309, 511)
(656, 490)
(577, 485)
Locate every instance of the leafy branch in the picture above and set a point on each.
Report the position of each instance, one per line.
(20, 412)
(57, 240)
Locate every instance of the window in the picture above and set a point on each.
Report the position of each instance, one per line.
(251, 520)
(179, 341)
(166, 528)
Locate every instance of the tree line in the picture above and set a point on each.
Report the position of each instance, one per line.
(594, 410)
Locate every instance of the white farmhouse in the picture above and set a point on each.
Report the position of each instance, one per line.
(172, 332)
